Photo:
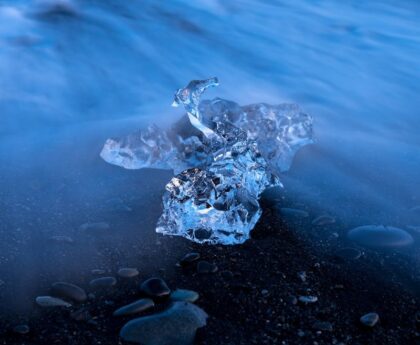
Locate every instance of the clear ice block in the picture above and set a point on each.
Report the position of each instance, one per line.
(224, 156)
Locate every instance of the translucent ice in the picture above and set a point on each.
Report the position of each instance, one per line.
(224, 156)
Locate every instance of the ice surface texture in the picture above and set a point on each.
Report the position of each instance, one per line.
(223, 162)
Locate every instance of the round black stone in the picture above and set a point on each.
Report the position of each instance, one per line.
(155, 287)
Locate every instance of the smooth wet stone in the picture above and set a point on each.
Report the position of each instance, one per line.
(97, 272)
(135, 307)
(175, 326)
(379, 236)
(189, 258)
(103, 283)
(128, 272)
(50, 302)
(184, 295)
(308, 299)
(95, 227)
(155, 288)
(293, 212)
(323, 220)
(348, 254)
(323, 326)
(370, 319)
(204, 267)
(68, 291)
(21, 329)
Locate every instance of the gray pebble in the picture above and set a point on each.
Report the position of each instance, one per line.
(135, 307)
(128, 272)
(49, 301)
(103, 283)
(370, 319)
(155, 288)
(308, 299)
(176, 326)
(184, 295)
(379, 236)
(98, 272)
(293, 212)
(69, 291)
(21, 329)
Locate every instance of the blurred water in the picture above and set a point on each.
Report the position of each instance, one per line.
(75, 73)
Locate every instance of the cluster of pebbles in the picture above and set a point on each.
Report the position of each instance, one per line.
(154, 314)
(160, 316)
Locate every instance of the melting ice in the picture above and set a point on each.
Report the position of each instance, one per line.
(224, 156)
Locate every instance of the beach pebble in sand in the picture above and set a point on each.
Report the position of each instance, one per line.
(370, 319)
(49, 302)
(21, 329)
(189, 258)
(68, 291)
(204, 267)
(323, 220)
(103, 283)
(128, 272)
(293, 212)
(155, 288)
(184, 295)
(380, 236)
(97, 272)
(135, 307)
(176, 325)
(348, 253)
(308, 299)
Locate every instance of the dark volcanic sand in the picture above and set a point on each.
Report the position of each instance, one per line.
(240, 311)
(250, 305)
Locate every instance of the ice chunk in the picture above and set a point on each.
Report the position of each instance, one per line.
(219, 204)
(279, 130)
(224, 156)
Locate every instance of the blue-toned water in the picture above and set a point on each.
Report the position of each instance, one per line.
(75, 73)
